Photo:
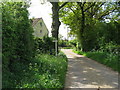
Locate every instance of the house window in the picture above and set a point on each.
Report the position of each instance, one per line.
(40, 31)
(40, 23)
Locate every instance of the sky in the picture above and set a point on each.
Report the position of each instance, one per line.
(38, 10)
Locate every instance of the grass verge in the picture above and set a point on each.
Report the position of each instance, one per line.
(45, 71)
(108, 59)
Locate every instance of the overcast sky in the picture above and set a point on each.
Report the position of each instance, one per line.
(38, 10)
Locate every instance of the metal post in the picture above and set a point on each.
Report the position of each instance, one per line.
(56, 47)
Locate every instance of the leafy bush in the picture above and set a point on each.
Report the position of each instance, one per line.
(61, 54)
(22, 67)
(45, 71)
(110, 47)
(17, 44)
(64, 43)
(73, 42)
(45, 45)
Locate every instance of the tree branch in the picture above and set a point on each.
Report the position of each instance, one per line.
(74, 13)
(80, 4)
(106, 13)
(89, 7)
(62, 5)
(84, 3)
(72, 10)
(99, 6)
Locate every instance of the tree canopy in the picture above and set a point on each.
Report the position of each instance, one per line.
(83, 17)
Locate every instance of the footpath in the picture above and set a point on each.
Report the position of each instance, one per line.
(86, 74)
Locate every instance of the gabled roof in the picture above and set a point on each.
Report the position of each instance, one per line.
(35, 20)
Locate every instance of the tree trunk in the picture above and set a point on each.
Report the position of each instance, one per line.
(55, 20)
(82, 28)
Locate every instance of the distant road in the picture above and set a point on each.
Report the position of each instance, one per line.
(86, 73)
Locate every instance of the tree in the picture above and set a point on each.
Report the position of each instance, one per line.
(82, 16)
(55, 19)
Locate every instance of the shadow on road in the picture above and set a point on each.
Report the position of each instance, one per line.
(86, 73)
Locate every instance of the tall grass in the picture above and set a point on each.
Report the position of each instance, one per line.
(44, 71)
(106, 58)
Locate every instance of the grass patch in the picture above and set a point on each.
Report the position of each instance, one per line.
(44, 71)
(108, 59)
(79, 52)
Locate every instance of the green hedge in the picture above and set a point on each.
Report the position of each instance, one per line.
(22, 67)
(17, 43)
(45, 45)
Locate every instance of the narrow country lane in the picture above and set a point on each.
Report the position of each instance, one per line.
(86, 73)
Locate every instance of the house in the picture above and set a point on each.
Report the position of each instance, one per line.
(40, 29)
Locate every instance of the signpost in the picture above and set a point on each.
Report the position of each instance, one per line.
(55, 46)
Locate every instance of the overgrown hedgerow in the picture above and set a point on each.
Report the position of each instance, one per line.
(45, 71)
(22, 66)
